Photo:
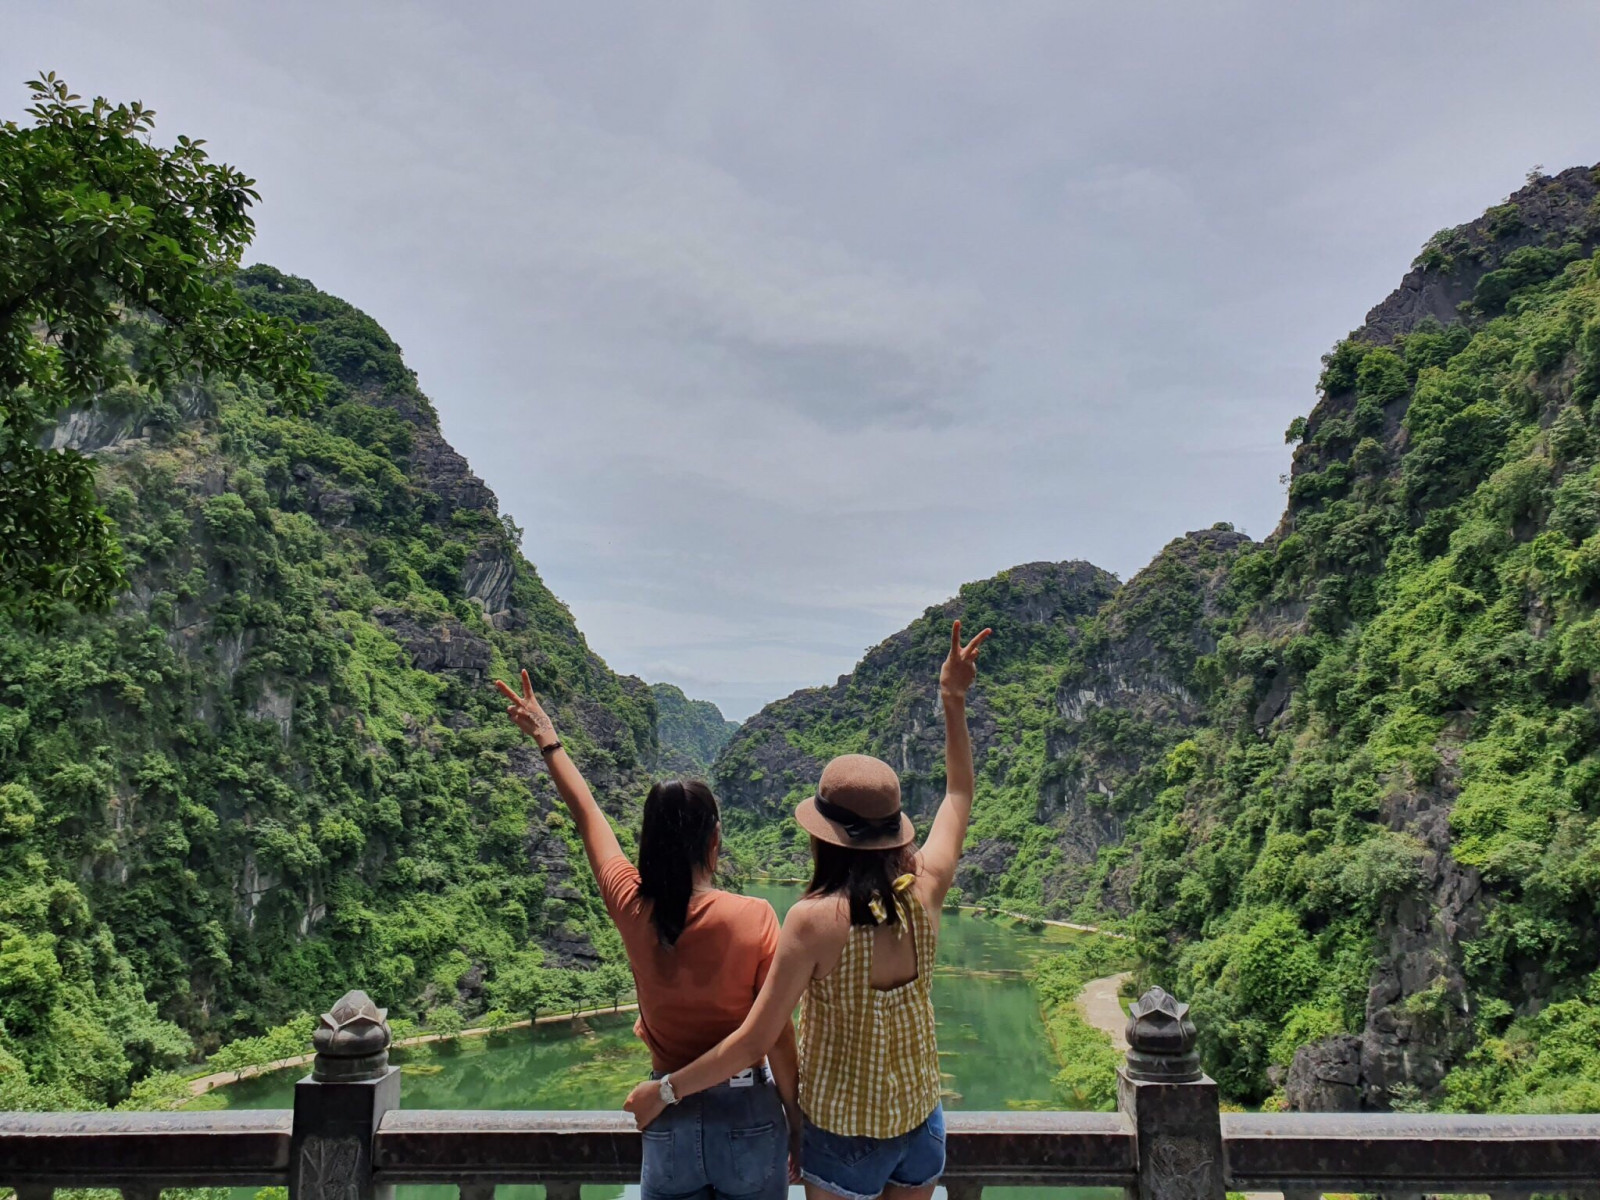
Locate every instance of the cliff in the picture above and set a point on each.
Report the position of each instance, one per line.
(278, 770)
(690, 732)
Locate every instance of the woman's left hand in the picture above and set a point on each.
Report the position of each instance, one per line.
(645, 1103)
(961, 666)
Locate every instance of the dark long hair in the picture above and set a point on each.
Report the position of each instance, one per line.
(680, 822)
(862, 876)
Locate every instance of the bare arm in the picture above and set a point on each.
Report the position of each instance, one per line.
(942, 851)
(784, 1059)
(767, 1024)
(599, 839)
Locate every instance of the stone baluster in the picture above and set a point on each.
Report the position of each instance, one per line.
(962, 1189)
(1172, 1104)
(338, 1106)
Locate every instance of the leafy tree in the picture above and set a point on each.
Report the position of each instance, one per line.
(520, 984)
(613, 980)
(446, 1020)
(97, 224)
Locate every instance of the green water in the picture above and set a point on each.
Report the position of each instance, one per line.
(993, 1051)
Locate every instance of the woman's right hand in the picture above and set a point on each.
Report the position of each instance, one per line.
(526, 712)
(794, 1150)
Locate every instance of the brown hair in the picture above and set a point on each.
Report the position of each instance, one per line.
(680, 823)
(862, 876)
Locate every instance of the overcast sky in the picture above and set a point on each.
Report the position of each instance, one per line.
(774, 323)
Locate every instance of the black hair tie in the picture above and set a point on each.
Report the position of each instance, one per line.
(856, 827)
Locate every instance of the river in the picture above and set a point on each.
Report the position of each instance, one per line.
(993, 1051)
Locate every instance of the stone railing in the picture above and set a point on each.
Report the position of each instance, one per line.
(347, 1138)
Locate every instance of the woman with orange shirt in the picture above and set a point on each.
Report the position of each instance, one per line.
(699, 957)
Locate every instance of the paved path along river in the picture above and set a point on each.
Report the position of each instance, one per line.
(1101, 1006)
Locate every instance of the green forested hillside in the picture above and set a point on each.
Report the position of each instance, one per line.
(1380, 847)
(276, 770)
(691, 732)
(1341, 784)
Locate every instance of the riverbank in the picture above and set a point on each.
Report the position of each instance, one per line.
(1092, 953)
(204, 1084)
(987, 908)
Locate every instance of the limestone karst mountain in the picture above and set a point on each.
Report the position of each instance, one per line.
(691, 732)
(1342, 784)
(277, 770)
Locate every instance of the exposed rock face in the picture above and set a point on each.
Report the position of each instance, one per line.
(1121, 705)
(982, 863)
(447, 475)
(1417, 1017)
(443, 646)
(1326, 1077)
(488, 577)
(106, 427)
(1553, 204)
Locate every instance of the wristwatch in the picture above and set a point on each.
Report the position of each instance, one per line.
(668, 1096)
(547, 751)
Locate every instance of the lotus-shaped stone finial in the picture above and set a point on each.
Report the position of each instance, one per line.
(352, 1040)
(1161, 1040)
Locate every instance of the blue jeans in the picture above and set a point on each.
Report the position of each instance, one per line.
(725, 1143)
(859, 1168)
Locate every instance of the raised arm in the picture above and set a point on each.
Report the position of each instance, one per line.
(599, 839)
(942, 851)
(769, 1017)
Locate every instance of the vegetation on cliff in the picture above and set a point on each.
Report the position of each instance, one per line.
(275, 770)
(1340, 784)
(691, 732)
(889, 707)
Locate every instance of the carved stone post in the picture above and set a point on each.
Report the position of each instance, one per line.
(338, 1106)
(1171, 1102)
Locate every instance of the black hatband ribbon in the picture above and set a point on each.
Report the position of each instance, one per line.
(856, 827)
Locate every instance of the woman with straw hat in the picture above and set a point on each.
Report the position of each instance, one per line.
(858, 950)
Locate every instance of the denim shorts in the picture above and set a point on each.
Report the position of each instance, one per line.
(859, 1168)
(725, 1143)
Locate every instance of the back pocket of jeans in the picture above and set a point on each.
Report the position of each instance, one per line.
(753, 1152)
(656, 1173)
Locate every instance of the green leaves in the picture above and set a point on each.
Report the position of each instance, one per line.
(99, 226)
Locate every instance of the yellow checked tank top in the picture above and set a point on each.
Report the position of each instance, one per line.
(869, 1065)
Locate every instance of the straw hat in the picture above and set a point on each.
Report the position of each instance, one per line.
(857, 805)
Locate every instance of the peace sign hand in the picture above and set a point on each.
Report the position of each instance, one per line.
(961, 667)
(525, 711)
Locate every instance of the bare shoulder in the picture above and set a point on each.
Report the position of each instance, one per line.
(817, 917)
